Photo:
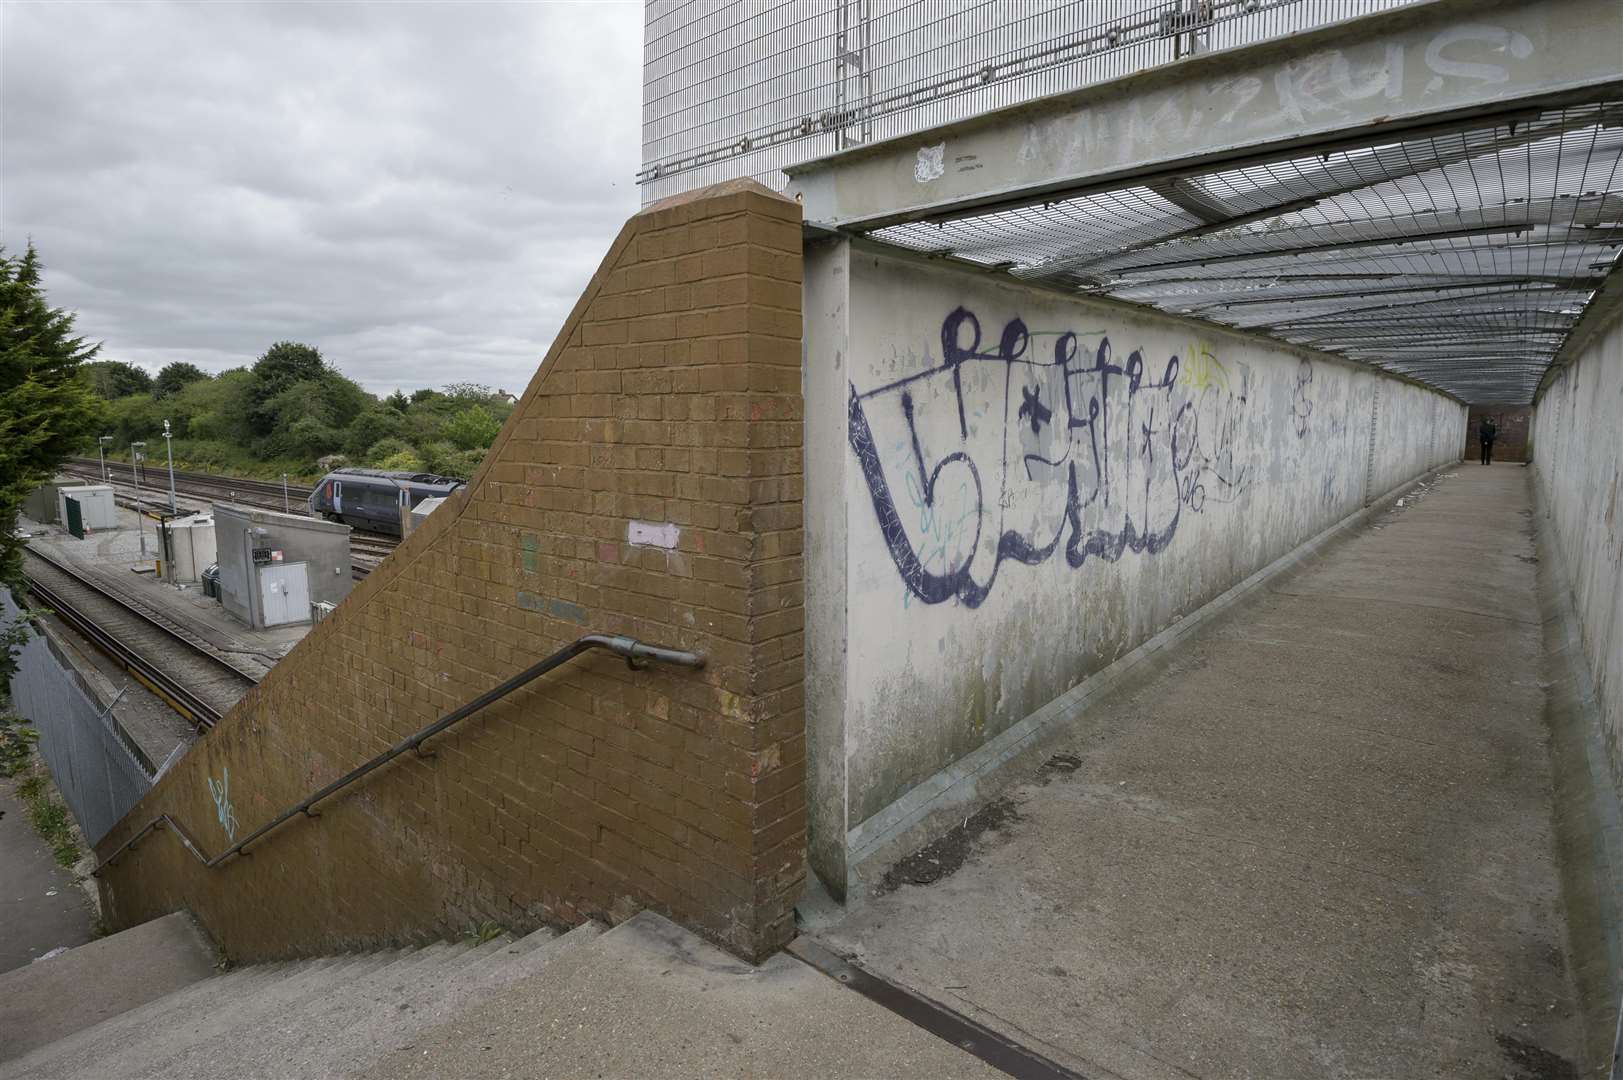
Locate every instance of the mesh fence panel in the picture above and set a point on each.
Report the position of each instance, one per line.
(97, 770)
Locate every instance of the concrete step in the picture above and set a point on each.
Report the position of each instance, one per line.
(281, 1036)
(651, 999)
(532, 941)
(646, 998)
(121, 1048)
(256, 1015)
(51, 999)
(371, 1018)
(132, 1023)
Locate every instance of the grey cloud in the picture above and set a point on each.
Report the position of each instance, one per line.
(421, 190)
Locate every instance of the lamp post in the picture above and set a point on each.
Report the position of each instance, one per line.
(101, 454)
(140, 514)
(171, 448)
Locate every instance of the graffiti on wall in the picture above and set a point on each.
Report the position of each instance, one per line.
(1035, 446)
(223, 810)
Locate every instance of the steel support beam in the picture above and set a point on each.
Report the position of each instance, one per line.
(1428, 66)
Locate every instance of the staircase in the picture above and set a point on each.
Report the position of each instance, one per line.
(325, 1017)
(647, 998)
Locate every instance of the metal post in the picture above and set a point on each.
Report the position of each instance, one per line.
(140, 513)
(173, 509)
(101, 454)
(284, 494)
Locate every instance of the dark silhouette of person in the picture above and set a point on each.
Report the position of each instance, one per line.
(1486, 432)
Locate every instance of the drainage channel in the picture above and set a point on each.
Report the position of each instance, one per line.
(996, 1050)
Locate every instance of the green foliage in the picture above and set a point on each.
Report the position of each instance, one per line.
(397, 451)
(480, 933)
(371, 426)
(174, 376)
(50, 818)
(286, 363)
(111, 379)
(292, 411)
(17, 741)
(48, 410)
(469, 392)
(213, 409)
(283, 367)
(471, 429)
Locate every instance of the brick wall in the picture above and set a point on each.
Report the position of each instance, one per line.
(671, 396)
(1515, 425)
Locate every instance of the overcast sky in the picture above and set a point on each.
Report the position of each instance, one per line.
(420, 190)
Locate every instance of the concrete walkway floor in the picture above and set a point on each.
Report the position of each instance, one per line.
(41, 908)
(1316, 843)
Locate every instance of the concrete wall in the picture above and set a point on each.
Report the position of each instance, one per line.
(1578, 455)
(647, 483)
(1009, 489)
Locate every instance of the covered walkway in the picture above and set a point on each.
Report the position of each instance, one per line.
(1316, 841)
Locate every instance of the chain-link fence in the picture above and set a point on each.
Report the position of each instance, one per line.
(97, 767)
(746, 87)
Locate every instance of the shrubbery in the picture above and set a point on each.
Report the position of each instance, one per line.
(288, 411)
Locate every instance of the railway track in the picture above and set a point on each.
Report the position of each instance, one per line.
(206, 486)
(367, 548)
(242, 489)
(197, 683)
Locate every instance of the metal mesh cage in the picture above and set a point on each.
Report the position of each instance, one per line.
(1460, 258)
(746, 87)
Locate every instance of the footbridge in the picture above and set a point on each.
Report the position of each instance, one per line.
(1045, 434)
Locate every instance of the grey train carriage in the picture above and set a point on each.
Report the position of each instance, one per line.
(373, 499)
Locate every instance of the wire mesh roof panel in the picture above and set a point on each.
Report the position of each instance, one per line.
(1461, 259)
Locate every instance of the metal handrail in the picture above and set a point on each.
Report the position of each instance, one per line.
(637, 655)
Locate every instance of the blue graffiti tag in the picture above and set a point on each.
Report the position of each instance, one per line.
(1020, 456)
(221, 794)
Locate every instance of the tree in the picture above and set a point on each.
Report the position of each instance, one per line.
(471, 429)
(283, 365)
(288, 362)
(397, 401)
(47, 411)
(477, 393)
(175, 375)
(113, 379)
(217, 408)
(371, 425)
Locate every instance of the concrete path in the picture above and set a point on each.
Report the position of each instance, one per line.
(40, 907)
(1315, 843)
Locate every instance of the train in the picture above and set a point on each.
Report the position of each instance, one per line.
(372, 499)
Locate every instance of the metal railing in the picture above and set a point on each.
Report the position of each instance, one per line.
(637, 656)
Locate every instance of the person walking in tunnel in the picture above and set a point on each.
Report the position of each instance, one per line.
(1486, 432)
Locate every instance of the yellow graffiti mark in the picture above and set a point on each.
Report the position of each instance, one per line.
(1201, 369)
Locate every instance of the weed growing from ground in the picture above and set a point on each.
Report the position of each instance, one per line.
(50, 818)
(17, 740)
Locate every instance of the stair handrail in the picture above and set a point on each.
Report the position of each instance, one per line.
(637, 655)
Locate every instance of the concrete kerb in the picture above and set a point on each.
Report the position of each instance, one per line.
(933, 806)
(1588, 817)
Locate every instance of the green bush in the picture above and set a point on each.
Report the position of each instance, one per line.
(471, 429)
(50, 818)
